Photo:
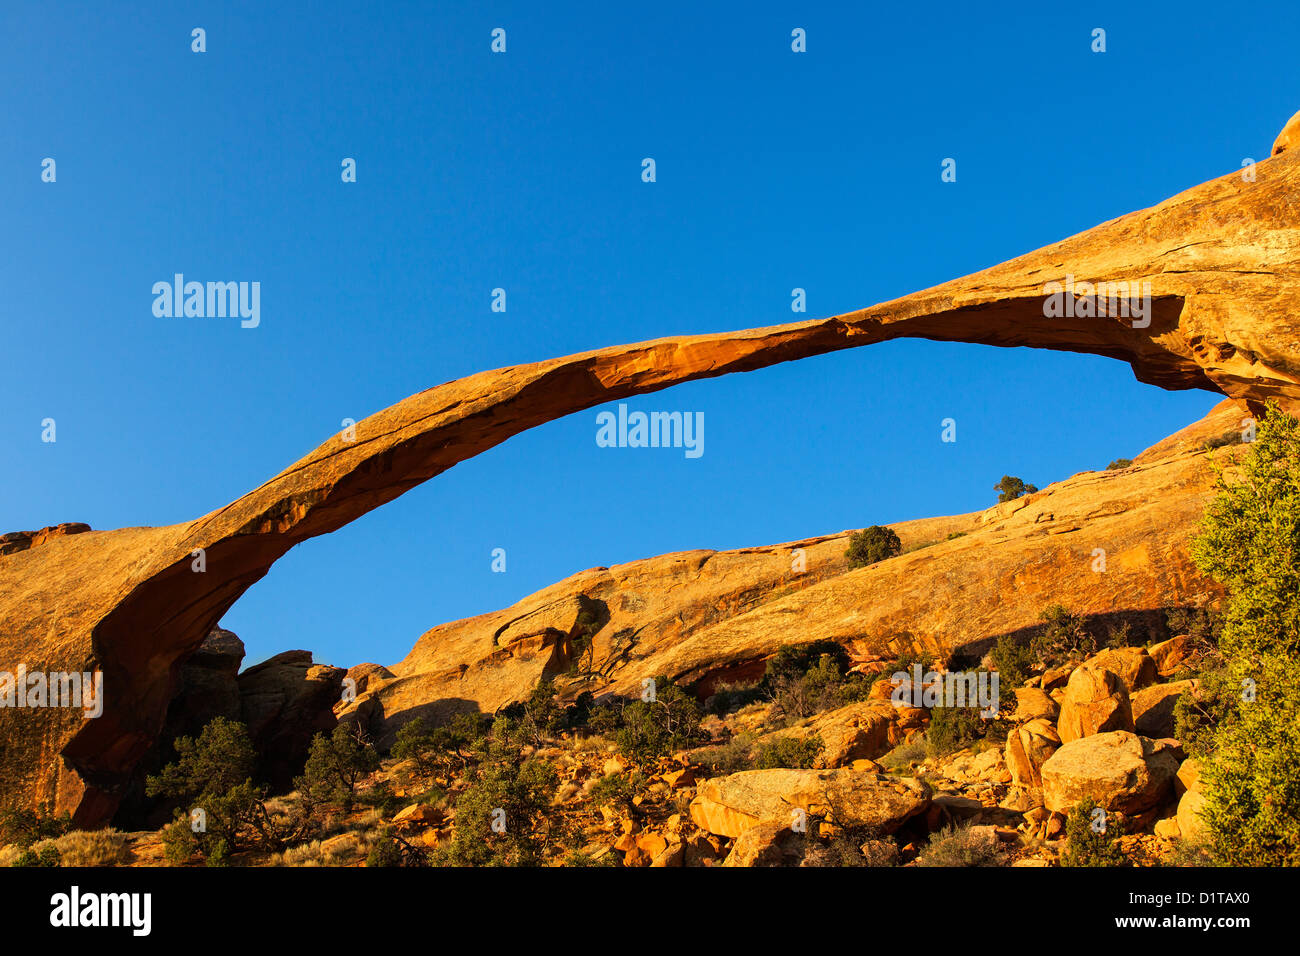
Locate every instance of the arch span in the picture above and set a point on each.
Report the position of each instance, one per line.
(1221, 263)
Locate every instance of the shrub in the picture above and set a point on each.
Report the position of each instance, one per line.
(1010, 488)
(646, 730)
(805, 679)
(25, 826)
(788, 752)
(959, 846)
(872, 544)
(335, 764)
(1119, 464)
(952, 728)
(733, 756)
(905, 755)
(214, 773)
(1064, 637)
(1090, 837)
(391, 849)
(616, 788)
(42, 854)
(501, 817)
(1249, 541)
(1014, 661)
(105, 847)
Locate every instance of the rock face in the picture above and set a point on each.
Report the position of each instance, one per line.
(1220, 260)
(16, 541)
(209, 686)
(1120, 770)
(285, 701)
(707, 617)
(729, 806)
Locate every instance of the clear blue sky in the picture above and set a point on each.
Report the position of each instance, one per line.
(523, 171)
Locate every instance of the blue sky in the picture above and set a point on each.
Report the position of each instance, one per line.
(522, 170)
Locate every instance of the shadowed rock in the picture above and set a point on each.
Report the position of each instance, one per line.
(1222, 263)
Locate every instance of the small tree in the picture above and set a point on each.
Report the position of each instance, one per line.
(213, 774)
(335, 764)
(871, 545)
(1010, 488)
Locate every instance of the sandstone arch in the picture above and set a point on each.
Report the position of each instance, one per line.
(1222, 260)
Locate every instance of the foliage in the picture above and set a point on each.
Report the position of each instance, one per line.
(1250, 541)
(1010, 488)
(806, 679)
(1119, 464)
(335, 764)
(960, 846)
(952, 728)
(1064, 636)
(501, 817)
(24, 826)
(1091, 840)
(213, 773)
(788, 752)
(872, 544)
(647, 729)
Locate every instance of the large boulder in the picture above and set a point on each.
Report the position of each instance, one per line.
(1033, 703)
(1096, 702)
(208, 686)
(1153, 707)
(286, 701)
(1028, 747)
(1172, 655)
(1133, 665)
(861, 731)
(728, 806)
(1119, 770)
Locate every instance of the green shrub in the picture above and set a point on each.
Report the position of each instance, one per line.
(1090, 837)
(953, 728)
(959, 846)
(1119, 464)
(789, 753)
(1064, 637)
(46, 855)
(1010, 488)
(25, 826)
(646, 730)
(335, 765)
(501, 817)
(731, 757)
(213, 773)
(872, 544)
(1250, 542)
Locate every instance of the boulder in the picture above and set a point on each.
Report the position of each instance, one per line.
(1033, 703)
(1153, 707)
(767, 844)
(1170, 656)
(1028, 747)
(1096, 701)
(1118, 769)
(286, 701)
(1133, 664)
(1191, 801)
(728, 806)
(208, 686)
(860, 731)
